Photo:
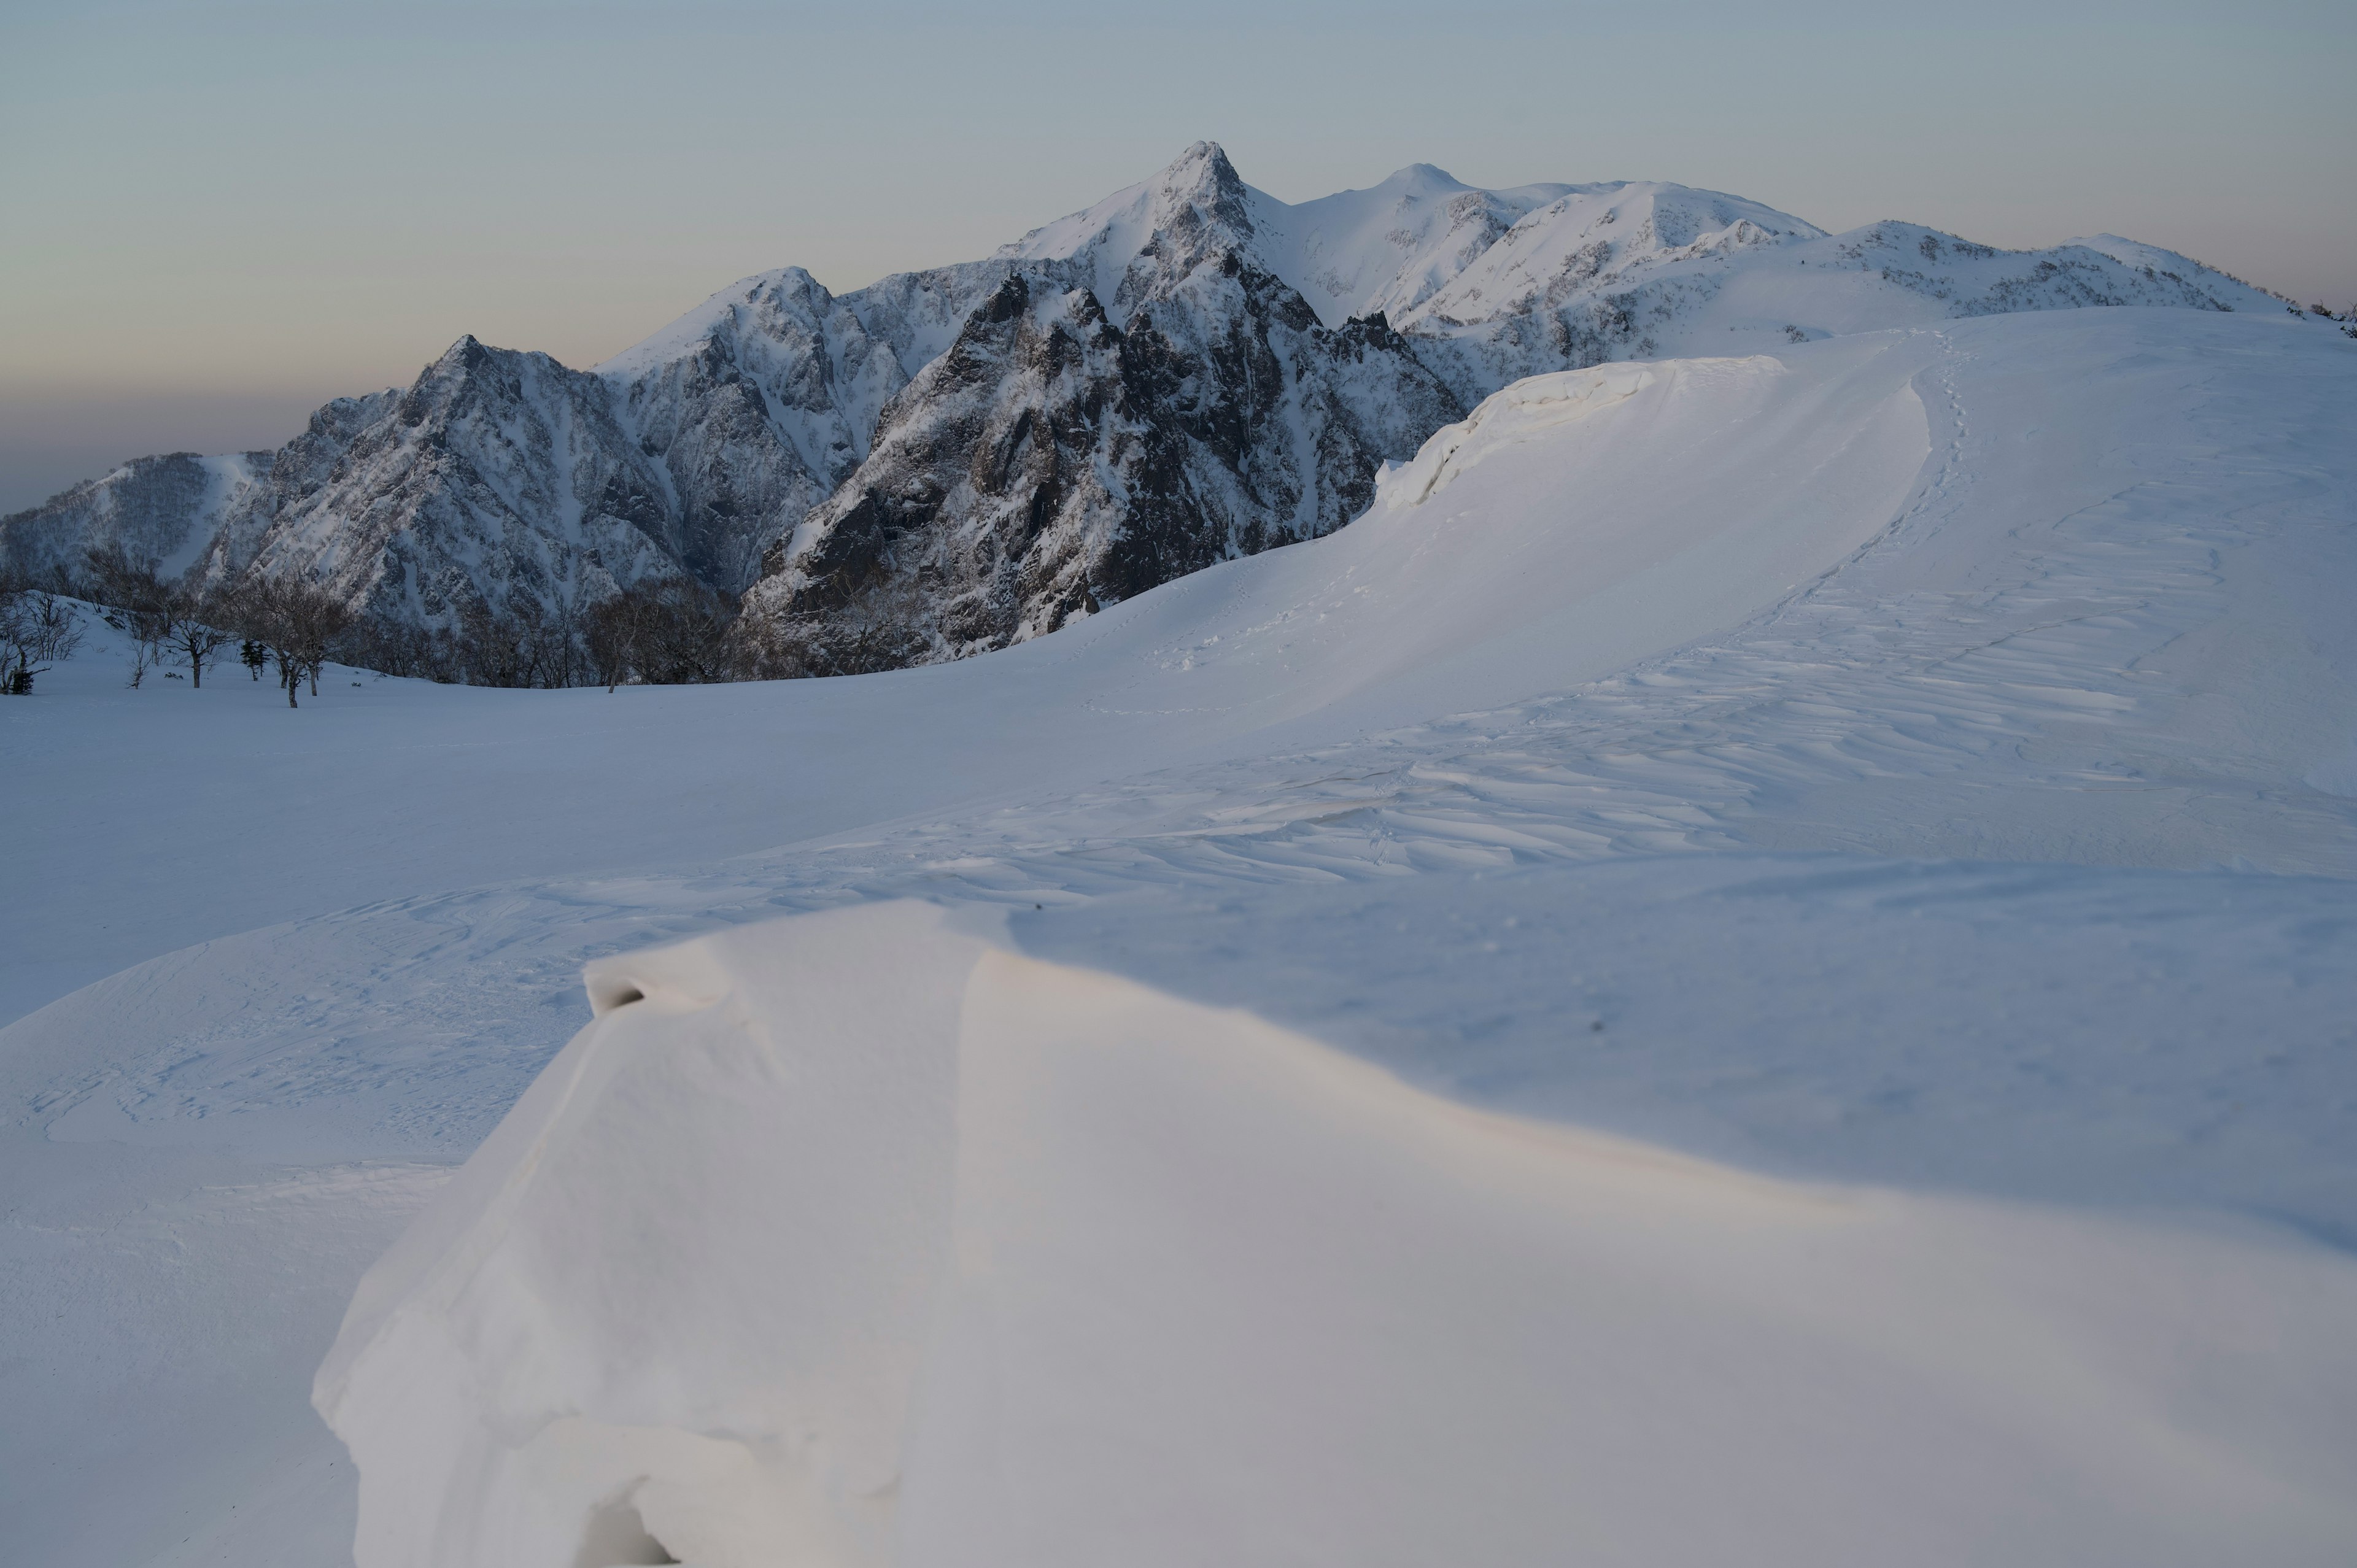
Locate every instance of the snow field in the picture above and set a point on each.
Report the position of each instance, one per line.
(1917, 753)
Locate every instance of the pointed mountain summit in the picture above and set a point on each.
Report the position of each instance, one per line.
(1139, 240)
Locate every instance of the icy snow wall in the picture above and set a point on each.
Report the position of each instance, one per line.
(855, 1239)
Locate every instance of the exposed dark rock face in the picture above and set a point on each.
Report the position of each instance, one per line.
(1050, 463)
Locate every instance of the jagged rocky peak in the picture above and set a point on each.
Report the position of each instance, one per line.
(779, 306)
(1136, 243)
(972, 523)
(461, 370)
(1198, 192)
(1054, 461)
(498, 480)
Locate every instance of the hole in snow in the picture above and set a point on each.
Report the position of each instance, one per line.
(609, 992)
(617, 1538)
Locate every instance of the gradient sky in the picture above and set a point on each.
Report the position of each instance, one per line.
(215, 216)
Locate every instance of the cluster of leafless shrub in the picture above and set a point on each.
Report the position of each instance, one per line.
(669, 632)
(2346, 320)
(659, 634)
(38, 628)
(292, 625)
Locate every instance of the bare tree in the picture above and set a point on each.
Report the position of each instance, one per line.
(38, 629)
(122, 579)
(556, 650)
(688, 640)
(257, 608)
(134, 601)
(665, 634)
(396, 647)
(193, 620)
(616, 633)
(319, 618)
(523, 646)
(297, 622)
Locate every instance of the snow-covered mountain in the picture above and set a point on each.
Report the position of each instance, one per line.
(170, 508)
(1492, 285)
(949, 461)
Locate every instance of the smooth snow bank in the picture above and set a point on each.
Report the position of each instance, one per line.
(1571, 525)
(856, 1239)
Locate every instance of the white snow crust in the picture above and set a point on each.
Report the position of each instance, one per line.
(854, 1239)
(1757, 963)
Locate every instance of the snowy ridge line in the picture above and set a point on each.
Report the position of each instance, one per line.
(955, 1254)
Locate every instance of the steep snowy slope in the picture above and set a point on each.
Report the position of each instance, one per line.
(170, 508)
(497, 476)
(1386, 249)
(1393, 248)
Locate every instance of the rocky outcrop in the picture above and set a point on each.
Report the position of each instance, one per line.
(1051, 462)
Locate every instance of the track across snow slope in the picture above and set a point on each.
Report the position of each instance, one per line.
(2101, 628)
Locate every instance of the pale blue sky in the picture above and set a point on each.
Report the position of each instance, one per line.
(217, 215)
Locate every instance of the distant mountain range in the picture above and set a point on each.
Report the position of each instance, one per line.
(969, 456)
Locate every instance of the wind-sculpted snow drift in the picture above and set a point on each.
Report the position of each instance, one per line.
(856, 1239)
(949, 461)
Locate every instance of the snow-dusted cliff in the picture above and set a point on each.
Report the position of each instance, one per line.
(1051, 462)
(949, 461)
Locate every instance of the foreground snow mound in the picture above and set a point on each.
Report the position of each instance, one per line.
(855, 1239)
